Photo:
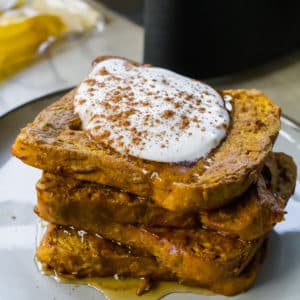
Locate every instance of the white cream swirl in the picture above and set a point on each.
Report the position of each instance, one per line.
(149, 112)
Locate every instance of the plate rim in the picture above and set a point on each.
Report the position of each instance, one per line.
(40, 98)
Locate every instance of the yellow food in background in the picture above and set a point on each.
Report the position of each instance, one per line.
(21, 40)
(28, 27)
(78, 15)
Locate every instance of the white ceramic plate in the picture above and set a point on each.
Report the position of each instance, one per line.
(19, 278)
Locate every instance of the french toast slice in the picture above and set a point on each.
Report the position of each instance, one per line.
(184, 251)
(66, 201)
(55, 142)
(73, 254)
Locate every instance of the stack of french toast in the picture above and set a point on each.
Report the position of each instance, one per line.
(112, 210)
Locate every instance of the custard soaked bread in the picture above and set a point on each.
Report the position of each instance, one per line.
(74, 254)
(184, 251)
(57, 143)
(64, 200)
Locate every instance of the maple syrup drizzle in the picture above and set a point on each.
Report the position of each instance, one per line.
(125, 289)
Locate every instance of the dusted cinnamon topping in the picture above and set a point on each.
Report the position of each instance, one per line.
(168, 113)
(149, 112)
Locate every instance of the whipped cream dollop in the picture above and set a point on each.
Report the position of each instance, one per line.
(149, 112)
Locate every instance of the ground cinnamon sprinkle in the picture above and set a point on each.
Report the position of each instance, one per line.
(168, 114)
(189, 97)
(90, 81)
(130, 102)
(177, 104)
(103, 71)
(223, 126)
(136, 140)
(81, 101)
(101, 84)
(184, 122)
(195, 119)
(125, 123)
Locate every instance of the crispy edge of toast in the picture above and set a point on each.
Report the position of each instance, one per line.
(265, 206)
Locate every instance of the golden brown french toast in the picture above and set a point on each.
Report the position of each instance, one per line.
(66, 201)
(55, 142)
(76, 254)
(184, 251)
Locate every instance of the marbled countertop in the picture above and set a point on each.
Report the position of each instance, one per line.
(66, 63)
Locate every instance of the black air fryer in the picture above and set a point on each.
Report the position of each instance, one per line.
(207, 38)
